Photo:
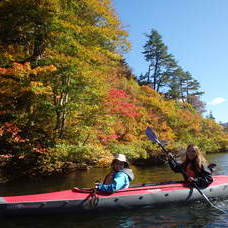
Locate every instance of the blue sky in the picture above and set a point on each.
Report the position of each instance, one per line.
(196, 33)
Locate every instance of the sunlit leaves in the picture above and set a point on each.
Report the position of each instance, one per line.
(64, 86)
(13, 131)
(117, 103)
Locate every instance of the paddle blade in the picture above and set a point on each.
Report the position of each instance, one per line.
(151, 135)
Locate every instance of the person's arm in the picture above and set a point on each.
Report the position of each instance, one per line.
(120, 181)
(109, 177)
(174, 165)
(204, 178)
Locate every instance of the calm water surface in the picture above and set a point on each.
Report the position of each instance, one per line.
(195, 215)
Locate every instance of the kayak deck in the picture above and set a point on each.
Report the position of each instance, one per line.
(132, 190)
(136, 196)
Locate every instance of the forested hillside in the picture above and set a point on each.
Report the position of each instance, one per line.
(68, 96)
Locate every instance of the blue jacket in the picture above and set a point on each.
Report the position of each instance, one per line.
(121, 180)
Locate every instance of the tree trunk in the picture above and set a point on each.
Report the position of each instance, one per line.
(61, 112)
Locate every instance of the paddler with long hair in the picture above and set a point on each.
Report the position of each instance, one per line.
(194, 167)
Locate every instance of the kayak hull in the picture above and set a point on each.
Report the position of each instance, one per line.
(138, 196)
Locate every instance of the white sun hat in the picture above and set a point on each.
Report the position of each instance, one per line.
(121, 157)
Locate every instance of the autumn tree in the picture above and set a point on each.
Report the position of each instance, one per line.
(225, 125)
(67, 93)
(91, 41)
(82, 38)
(125, 70)
(197, 103)
(23, 114)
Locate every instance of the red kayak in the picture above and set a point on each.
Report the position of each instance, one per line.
(82, 200)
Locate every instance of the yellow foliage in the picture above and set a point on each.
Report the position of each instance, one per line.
(38, 88)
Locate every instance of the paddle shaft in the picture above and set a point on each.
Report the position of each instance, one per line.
(206, 198)
(91, 190)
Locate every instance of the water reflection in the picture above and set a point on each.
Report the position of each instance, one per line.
(86, 178)
(171, 216)
(195, 215)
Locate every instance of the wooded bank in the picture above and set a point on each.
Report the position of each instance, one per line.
(67, 96)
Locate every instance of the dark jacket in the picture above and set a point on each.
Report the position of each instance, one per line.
(203, 176)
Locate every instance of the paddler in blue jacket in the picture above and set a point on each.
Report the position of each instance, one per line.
(119, 177)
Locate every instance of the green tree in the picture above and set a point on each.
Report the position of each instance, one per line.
(189, 86)
(210, 116)
(174, 85)
(182, 86)
(161, 64)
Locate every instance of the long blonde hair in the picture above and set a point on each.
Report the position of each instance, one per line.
(199, 161)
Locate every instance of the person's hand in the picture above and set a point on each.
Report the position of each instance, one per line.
(191, 179)
(170, 156)
(97, 184)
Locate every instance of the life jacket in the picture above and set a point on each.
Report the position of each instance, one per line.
(109, 178)
(189, 170)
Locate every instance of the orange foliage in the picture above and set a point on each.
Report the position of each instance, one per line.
(25, 69)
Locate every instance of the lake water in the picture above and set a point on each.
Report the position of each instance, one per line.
(194, 215)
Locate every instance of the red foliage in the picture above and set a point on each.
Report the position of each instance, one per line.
(1, 131)
(13, 130)
(117, 102)
(108, 138)
(39, 149)
(117, 93)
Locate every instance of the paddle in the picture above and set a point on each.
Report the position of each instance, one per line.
(152, 136)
